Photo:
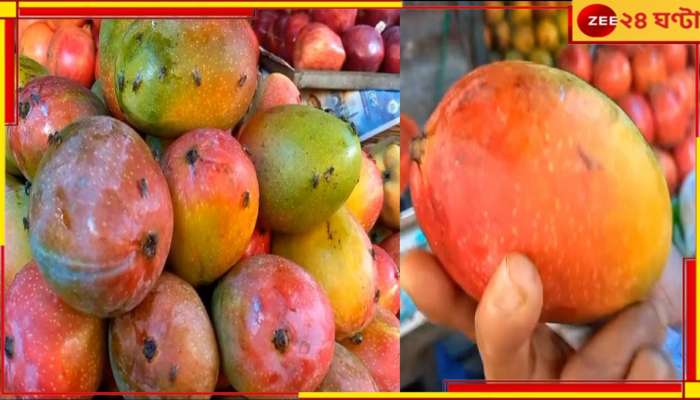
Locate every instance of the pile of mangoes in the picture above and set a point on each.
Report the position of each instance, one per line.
(190, 227)
(524, 33)
(655, 86)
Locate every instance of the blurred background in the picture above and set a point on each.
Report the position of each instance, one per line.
(653, 84)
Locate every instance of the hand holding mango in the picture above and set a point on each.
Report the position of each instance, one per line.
(514, 345)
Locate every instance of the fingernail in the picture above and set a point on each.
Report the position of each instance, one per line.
(510, 296)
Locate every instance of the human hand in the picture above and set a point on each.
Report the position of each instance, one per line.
(513, 343)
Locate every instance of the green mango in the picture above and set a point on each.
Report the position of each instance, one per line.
(308, 162)
(173, 76)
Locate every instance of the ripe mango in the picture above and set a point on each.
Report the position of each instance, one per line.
(166, 343)
(49, 346)
(338, 254)
(347, 374)
(367, 198)
(101, 217)
(274, 325)
(520, 157)
(215, 202)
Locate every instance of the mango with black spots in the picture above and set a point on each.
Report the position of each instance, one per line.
(46, 105)
(307, 161)
(215, 201)
(173, 76)
(521, 157)
(49, 346)
(100, 216)
(275, 326)
(165, 344)
(339, 255)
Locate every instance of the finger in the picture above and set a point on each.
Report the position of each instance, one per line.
(506, 318)
(650, 364)
(609, 352)
(434, 292)
(668, 292)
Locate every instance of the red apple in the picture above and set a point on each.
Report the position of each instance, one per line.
(670, 118)
(34, 42)
(648, 67)
(338, 19)
(675, 55)
(392, 50)
(668, 165)
(71, 54)
(364, 47)
(683, 83)
(296, 22)
(318, 47)
(387, 280)
(576, 59)
(612, 73)
(684, 154)
(639, 111)
(262, 22)
(273, 40)
(372, 16)
(23, 24)
(275, 90)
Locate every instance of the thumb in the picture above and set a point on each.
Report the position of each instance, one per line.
(506, 318)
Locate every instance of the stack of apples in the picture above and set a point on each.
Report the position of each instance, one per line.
(332, 39)
(66, 47)
(655, 86)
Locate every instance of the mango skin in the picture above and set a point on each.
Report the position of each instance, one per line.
(173, 321)
(173, 76)
(215, 201)
(367, 198)
(274, 325)
(101, 217)
(347, 374)
(525, 158)
(338, 254)
(111, 33)
(307, 161)
(49, 346)
(386, 155)
(47, 104)
(379, 348)
(17, 251)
